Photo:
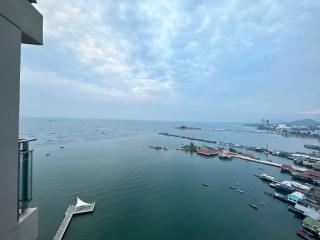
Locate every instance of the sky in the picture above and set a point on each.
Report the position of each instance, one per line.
(189, 60)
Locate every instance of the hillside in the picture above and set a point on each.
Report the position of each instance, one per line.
(304, 122)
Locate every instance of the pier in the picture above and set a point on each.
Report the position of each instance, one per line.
(278, 153)
(80, 208)
(259, 161)
(207, 151)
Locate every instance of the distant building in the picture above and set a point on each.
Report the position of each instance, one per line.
(282, 126)
(206, 151)
(295, 197)
(308, 212)
(312, 224)
(267, 123)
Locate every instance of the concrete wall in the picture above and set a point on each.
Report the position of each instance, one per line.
(27, 228)
(22, 14)
(10, 41)
(20, 23)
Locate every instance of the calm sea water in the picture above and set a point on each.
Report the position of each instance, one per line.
(141, 193)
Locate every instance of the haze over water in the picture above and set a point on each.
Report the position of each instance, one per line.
(141, 193)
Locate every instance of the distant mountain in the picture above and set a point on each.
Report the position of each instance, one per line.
(304, 122)
(278, 120)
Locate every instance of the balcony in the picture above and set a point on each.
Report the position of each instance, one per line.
(24, 176)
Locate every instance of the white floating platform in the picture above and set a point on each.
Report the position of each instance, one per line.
(80, 208)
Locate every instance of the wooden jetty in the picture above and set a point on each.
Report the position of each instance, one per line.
(79, 208)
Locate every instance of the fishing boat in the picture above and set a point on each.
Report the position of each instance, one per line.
(240, 191)
(224, 156)
(280, 197)
(253, 206)
(157, 147)
(296, 211)
(205, 184)
(266, 177)
(283, 187)
(232, 187)
(305, 234)
(312, 147)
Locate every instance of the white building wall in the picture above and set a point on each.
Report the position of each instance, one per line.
(10, 41)
(20, 23)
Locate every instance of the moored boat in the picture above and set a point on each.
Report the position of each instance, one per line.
(316, 147)
(280, 197)
(296, 211)
(284, 186)
(266, 177)
(305, 234)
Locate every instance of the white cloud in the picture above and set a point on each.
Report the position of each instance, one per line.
(150, 51)
(140, 89)
(52, 81)
(83, 34)
(310, 112)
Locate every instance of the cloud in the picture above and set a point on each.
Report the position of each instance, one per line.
(83, 35)
(52, 81)
(219, 54)
(141, 90)
(311, 112)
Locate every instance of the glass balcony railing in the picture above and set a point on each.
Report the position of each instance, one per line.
(24, 175)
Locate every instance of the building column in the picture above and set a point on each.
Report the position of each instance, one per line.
(10, 48)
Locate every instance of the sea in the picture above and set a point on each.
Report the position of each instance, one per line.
(143, 193)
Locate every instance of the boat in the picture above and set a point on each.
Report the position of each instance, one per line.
(315, 147)
(280, 197)
(232, 187)
(267, 177)
(305, 234)
(299, 186)
(316, 165)
(296, 211)
(262, 203)
(302, 176)
(205, 184)
(283, 187)
(253, 206)
(156, 147)
(240, 191)
(224, 156)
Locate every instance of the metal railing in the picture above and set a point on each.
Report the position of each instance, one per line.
(24, 175)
